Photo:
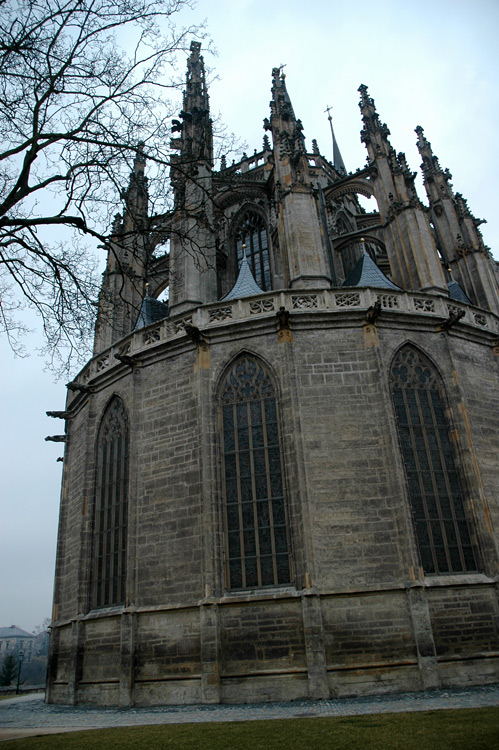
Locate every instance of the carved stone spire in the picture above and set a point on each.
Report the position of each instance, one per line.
(123, 279)
(197, 131)
(374, 133)
(192, 255)
(283, 123)
(457, 234)
(408, 238)
(136, 197)
(298, 225)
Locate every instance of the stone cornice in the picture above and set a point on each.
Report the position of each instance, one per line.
(308, 307)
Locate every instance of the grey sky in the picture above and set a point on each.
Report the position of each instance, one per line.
(432, 63)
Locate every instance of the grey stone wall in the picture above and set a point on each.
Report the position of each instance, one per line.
(359, 616)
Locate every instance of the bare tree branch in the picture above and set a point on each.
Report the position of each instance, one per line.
(74, 105)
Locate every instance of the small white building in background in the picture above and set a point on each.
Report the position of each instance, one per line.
(16, 639)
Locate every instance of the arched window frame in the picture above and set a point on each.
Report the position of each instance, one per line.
(251, 230)
(111, 507)
(256, 533)
(436, 490)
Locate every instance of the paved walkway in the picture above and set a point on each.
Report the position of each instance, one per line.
(28, 715)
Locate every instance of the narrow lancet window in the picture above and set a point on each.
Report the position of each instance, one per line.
(253, 233)
(111, 507)
(257, 547)
(435, 490)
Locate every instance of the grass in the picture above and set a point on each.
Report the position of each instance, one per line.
(465, 729)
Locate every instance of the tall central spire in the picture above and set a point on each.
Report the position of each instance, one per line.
(338, 162)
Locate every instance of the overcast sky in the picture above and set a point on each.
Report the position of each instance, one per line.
(431, 63)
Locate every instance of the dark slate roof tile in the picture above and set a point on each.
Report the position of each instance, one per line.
(245, 285)
(457, 293)
(367, 273)
(151, 311)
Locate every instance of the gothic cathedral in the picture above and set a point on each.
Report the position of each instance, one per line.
(281, 478)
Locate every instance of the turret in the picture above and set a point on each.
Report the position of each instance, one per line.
(123, 280)
(410, 246)
(457, 233)
(299, 227)
(192, 256)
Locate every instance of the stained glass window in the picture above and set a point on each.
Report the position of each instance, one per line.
(111, 507)
(257, 547)
(435, 490)
(253, 233)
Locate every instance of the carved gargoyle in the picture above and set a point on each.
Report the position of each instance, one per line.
(282, 319)
(126, 359)
(454, 317)
(195, 334)
(373, 312)
(74, 386)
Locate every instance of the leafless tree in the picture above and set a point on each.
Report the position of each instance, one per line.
(82, 82)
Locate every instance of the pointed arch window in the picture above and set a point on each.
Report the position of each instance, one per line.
(256, 544)
(435, 489)
(111, 507)
(252, 232)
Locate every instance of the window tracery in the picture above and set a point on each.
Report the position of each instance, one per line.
(111, 507)
(252, 232)
(435, 490)
(257, 547)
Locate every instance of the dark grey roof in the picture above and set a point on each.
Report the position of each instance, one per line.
(151, 311)
(367, 273)
(457, 293)
(245, 285)
(14, 632)
(338, 162)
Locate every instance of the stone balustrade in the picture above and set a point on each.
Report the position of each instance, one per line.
(297, 302)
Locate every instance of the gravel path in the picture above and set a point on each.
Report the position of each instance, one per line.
(28, 715)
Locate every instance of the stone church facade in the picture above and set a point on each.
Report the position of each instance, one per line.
(283, 483)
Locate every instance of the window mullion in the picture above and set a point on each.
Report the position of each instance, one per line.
(239, 497)
(419, 472)
(452, 498)
(269, 495)
(253, 495)
(436, 495)
(224, 494)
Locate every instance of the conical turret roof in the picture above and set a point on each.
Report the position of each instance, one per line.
(367, 273)
(456, 293)
(151, 311)
(245, 285)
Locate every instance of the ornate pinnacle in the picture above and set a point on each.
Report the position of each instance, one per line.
(430, 166)
(370, 117)
(365, 100)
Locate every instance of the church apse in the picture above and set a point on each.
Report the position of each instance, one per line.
(280, 478)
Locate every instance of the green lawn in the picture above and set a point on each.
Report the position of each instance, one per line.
(467, 729)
